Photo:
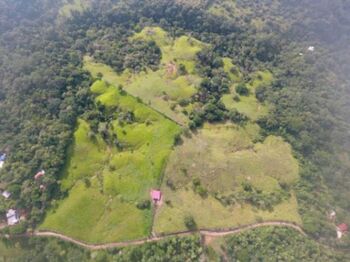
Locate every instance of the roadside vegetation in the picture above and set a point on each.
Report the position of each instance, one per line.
(269, 244)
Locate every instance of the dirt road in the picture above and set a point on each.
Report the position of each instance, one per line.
(203, 232)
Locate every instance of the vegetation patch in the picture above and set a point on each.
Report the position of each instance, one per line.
(221, 173)
(247, 102)
(270, 244)
(167, 89)
(71, 6)
(118, 155)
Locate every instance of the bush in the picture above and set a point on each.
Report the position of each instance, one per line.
(237, 117)
(144, 204)
(190, 223)
(242, 90)
(170, 184)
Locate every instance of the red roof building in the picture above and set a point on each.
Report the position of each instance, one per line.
(156, 195)
(343, 228)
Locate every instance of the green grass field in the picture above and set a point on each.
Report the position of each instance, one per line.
(106, 183)
(249, 105)
(165, 88)
(104, 208)
(222, 157)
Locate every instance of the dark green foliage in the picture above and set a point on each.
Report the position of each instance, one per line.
(190, 223)
(44, 89)
(275, 244)
(237, 117)
(145, 204)
(43, 249)
(182, 70)
(242, 89)
(198, 188)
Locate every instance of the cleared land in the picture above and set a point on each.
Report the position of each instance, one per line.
(165, 88)
(106, 183)
(222, 157)
(249, 105)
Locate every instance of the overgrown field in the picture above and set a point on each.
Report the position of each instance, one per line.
(210, 175)
(107, 182)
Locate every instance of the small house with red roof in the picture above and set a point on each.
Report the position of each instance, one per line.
(156, 195)
(39, 174)
(341, 230)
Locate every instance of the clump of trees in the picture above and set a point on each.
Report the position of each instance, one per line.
(276, 244)
(122, 54)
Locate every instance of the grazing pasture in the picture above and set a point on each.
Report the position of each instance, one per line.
(221, 158)
(105, 183)
(249, 105)
(165, 88)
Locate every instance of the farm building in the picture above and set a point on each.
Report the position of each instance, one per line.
(12, 217)
(156, 195)
(341, 230)
(39, 174)
(6, 194)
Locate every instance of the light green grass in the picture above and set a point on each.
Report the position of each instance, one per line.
(106, 210)
(159, 89)
(210, 214)
(87, 158)
(228, 65)
(249, 105)
(71, 6)
(222, 157)
(153, 87)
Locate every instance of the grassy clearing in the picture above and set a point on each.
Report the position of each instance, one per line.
(105, 183)
(249, 105)
(232, 70)
(222, 157)
(165, 88)
(209, 213)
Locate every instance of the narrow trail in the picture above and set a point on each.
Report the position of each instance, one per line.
(203, 232)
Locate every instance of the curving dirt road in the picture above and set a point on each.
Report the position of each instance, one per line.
(203, 232)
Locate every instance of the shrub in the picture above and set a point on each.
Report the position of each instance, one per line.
(237, 117)
(144, 204)
(190, 223)
(170, 184)
(242, 90)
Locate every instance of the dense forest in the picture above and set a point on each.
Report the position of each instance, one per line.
(43, 87)
(38, 249)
